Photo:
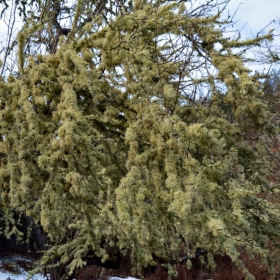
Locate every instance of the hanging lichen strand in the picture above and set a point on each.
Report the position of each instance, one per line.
(119, 140)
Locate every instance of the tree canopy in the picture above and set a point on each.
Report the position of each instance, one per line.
(135, 127)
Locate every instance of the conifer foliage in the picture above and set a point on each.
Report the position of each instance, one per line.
(116, 139)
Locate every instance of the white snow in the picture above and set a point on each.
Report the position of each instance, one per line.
(118, 278)
(20, 273)
(23, 275)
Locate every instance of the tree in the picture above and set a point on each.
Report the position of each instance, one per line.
(116, 141)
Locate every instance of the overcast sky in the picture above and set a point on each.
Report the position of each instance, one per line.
(255, 14)
(252, 16)
(258, 13)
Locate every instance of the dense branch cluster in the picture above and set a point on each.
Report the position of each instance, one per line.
(137, 128)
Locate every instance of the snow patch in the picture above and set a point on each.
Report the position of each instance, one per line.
(128, 278)
(22, 276)
(11, 268)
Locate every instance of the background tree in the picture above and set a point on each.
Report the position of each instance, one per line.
(113, 136)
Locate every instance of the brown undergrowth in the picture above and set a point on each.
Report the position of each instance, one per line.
(225, 270)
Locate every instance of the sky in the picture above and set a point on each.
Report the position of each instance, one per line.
(254, 15)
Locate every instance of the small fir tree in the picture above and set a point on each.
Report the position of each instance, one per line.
(119, 138)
